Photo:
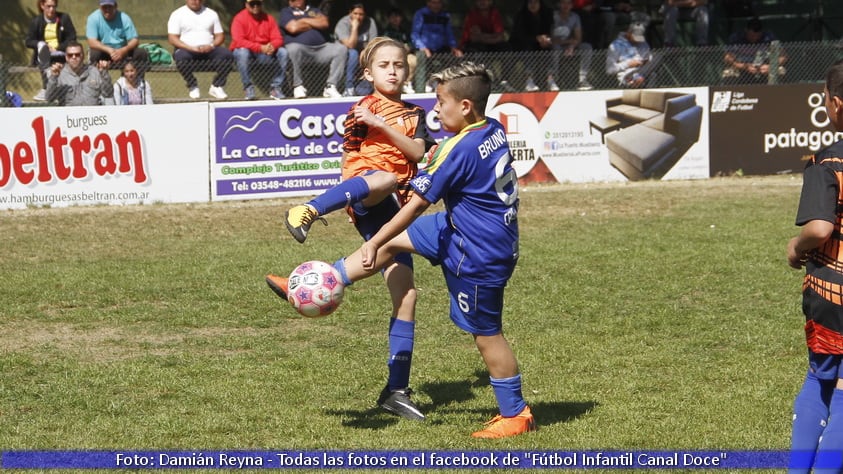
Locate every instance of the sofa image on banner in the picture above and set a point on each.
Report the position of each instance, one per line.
(650, 131)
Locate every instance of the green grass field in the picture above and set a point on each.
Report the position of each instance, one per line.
(654, 315)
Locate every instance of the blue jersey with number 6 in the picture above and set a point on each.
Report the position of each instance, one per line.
(472, 172)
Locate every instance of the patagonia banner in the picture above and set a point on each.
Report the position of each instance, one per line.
(762, 130)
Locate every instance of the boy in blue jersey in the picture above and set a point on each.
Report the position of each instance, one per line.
(817, 436)
(475, 240)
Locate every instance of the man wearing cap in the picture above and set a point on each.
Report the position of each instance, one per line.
(629, 57)
(112, 36)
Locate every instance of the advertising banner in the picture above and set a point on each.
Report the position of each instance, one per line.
(762, 130)
(287, 148)
(65, 156)
(606, 135)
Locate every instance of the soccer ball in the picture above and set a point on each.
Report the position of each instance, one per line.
(315, 289)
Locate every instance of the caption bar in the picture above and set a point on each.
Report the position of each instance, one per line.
(394, 459)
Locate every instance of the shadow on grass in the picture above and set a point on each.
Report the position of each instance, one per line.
(443, 394)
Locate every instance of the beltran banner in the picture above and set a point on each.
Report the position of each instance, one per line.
(62, 156)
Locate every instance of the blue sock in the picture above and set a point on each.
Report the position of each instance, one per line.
(344, 194)
(340, 266)
(810, 415)
(401, 335)
(830, 449)
(508, 393)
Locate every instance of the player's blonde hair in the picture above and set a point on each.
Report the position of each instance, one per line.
(468, 80)
(368, 53)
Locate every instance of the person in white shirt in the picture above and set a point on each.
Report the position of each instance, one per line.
(197, 36)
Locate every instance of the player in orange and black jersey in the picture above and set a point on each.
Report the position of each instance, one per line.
(817, 433)
(384, 140)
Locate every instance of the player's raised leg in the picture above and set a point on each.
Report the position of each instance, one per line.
(367, 190)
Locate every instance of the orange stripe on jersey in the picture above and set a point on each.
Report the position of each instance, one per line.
(831, 292)
(367, 149)
(822, 340)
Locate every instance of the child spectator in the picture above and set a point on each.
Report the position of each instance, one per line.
(131, 88)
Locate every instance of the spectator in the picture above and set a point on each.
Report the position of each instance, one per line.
(131, 88)
(567, 39)
(483, 32)
(197, 36)
(48, 36)
(112, 37)
(699, 12)
(304, 30)
(79, 83)
(431, 34)
(750, 53)
(482, 29)
(256, 39)
(629, 57)
(589, 13)
(354, 31)
(395, 29)
(531, 33)
(612, 14)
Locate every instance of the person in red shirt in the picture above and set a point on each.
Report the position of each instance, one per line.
(256, 39)
(483, 32)
(483, 29)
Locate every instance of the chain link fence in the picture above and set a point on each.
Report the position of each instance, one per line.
(675, 67)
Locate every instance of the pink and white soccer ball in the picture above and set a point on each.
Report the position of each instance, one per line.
(315, 289)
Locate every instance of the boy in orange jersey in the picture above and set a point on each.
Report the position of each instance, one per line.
(817, 436)
(384, 140)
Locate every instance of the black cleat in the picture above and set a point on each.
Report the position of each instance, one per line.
(398, 402)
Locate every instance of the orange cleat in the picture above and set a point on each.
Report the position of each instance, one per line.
(500, 427)
(278, 285)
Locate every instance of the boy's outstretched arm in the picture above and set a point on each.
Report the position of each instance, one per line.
(369, 250)
(813, 234)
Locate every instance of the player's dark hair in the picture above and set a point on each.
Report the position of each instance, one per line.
(468, 80)
(834, 79)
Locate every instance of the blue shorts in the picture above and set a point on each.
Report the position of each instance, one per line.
(369, 220)
(825, 366)
(476, 309)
